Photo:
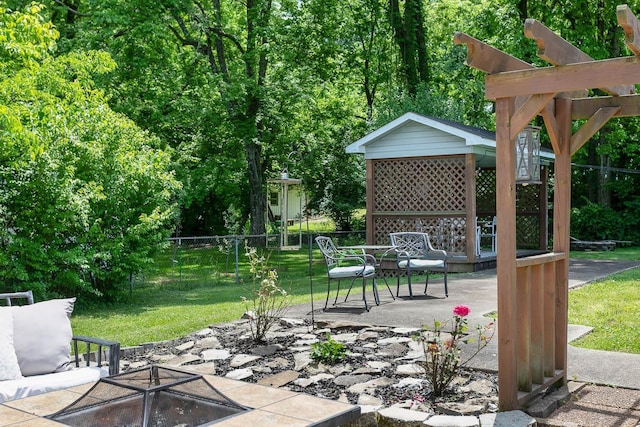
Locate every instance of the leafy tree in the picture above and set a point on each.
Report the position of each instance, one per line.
(86, 195)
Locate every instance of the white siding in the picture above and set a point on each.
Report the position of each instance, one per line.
(416, 140)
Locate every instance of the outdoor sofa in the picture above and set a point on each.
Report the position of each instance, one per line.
(35, 350)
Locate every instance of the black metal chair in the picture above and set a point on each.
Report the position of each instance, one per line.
(415, 253)
(347, 265)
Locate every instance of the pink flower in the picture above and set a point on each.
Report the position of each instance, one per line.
(461, 310)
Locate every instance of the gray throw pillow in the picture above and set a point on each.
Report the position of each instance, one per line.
(42, 336)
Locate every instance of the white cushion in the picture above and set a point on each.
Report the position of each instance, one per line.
(42, 336)
(37, 384)
(351, 271)
(9, 367)
(418, 264)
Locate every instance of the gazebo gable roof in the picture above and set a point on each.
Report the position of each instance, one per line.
(475, 139)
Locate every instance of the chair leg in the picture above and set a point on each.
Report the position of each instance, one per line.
(326, 301)
(349, 291)
(388, 288)
(398, 285)
(364, 293)
(446, 289)
(409, 283)
(335, 301)
(426, 283)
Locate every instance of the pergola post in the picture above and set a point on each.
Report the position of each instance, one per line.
(506, 262)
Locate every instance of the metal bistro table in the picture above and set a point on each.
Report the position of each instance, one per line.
(379, 252)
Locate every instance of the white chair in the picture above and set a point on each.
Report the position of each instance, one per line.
(416, 253)
(346, 265)
(490, 232)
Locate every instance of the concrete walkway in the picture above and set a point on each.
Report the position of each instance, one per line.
(479, 291)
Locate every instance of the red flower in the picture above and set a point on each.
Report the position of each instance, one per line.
(461, 310)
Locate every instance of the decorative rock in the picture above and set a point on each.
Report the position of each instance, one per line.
(393, 350)
(405, 331)
(261, 369)
(369, 335)
(186, 346)
(349, 380)
(507, 419)
(341, 324)
(410, 369)
(204, 368)
(457, 408)
(371, 385)
(366, 399)
(395, 416)
(306, 342)
(452, 421)
(280, 379)
(345, 338)
(366, 370)
(242, 359)
(162, 358)
(215, 354)
(209, 342)
(302, 360)
(394, 340)
(291, 322)
(278, 363)
(204, 332)
(408, 382)
(183, 360)
(268, 350)
(306, 382)
(379, 365)
(240, 374)
(137, 365)
(480, 387)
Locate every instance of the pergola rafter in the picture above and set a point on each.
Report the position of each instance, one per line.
(533, 292)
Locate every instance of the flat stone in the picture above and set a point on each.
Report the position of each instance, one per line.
(306, 342)
(204, 332)
(410, 369)
(208, 368)
(306, 382)
(186, 346)
(291, 322)
(306, 336)
(366, 370)
(243, 359)
(394, 340)
(368, 335)
(507, 419)
(136, 365)
(208, 342)
(280, 379)
(394, 416)
(370, 385)
(349, 380)
(457, 408)
(267, 350)
(278, 363)
(341, 324)
(215, 354)
(240, 374)
(302, 360)
(162, 358)
(367, 399)
(405, 331)
(452, 421)
(408, 382)
(376, 364)
(183, 359)
(480, 387)
(393, 350)
(345, 338)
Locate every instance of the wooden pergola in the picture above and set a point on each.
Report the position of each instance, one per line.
(533, 292)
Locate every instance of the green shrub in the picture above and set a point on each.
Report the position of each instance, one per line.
(595, 222)
(329, 351)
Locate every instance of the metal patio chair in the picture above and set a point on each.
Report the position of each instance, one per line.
(415, 253)
(347, 265)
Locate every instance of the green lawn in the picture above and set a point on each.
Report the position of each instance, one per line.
(196, 287)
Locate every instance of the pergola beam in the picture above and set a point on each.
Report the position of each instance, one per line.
(486, 58)
(557, 51)
(523, 115)
(593, 125)
(583, 108)
(629, 23)
(563, 78)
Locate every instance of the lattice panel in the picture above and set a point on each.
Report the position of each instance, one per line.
(527, 198)
(445, 233)
(419, 184)
(528, 232)
(486, 191)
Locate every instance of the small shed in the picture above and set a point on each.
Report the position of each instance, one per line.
(437, 176)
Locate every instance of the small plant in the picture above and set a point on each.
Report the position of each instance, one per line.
(268, 302)
(443, 350)
(329, 351)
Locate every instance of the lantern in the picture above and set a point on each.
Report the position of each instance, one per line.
(528, 156)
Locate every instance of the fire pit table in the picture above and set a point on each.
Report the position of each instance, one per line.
(162, 396)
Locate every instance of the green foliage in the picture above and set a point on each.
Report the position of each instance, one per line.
(268, 302)
(87, 196)
(329, 351)
(595, 222)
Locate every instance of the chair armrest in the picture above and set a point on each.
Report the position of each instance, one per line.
(113, 347)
